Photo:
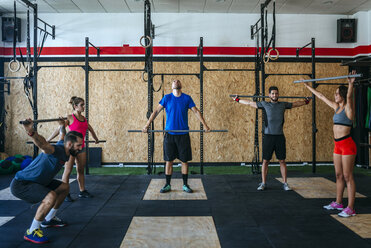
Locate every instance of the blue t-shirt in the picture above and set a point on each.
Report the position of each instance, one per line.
(177, 111)
(44, 167)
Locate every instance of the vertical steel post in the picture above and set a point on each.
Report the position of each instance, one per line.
(34, 78)
(201, 54)
(314, 126)
(149, 70)
(87, 101)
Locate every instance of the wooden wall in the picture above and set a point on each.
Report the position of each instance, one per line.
(118, 102)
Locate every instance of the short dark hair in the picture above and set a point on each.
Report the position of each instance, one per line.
(343, 91)
(72, 136)
(272, 88)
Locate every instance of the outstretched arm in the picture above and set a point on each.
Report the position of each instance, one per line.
(37, 139)
(152, 117)
(349, 108)
(301, 103)
(332, 104)
(200, 118)
(246, 102)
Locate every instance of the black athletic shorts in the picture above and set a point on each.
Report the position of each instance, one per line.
(32, 192)
(274, 143)
(177, 146)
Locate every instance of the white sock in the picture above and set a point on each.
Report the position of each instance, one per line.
(35, 225)
(51, 214)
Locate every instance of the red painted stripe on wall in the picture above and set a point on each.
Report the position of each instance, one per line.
(222, 51)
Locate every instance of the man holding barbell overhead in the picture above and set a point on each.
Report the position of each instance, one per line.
(177, 145)
(36, 183)
(274, 139)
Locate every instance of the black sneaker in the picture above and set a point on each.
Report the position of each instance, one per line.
(187, 189)
(55, 222)
(85, 194)
(68, 198)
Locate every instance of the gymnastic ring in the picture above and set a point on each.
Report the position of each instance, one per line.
(145, 37)
(10, 65)
(277, 54)
(266, 55)
(145, 80)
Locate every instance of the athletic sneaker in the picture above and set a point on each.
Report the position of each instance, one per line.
(262, 186)
(85, 194)
(55, 222)
(36, 236)
(286, 187)
(68, 198)
(347, 212)
(187, 189)
(166, 188)
(334, 205)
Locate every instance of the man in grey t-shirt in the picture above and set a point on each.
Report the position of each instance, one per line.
(274, 139)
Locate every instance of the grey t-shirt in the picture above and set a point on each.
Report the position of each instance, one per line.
(274, 116)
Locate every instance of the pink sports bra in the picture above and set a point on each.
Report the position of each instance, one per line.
(79, 126)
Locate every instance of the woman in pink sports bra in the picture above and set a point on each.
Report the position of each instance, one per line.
(77, 122)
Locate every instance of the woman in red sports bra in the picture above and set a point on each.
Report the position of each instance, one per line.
(345, 149)
(77, 122)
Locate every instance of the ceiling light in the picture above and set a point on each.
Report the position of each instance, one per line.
(327, 2)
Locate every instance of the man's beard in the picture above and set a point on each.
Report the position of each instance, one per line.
(74, 152)
(274, 99)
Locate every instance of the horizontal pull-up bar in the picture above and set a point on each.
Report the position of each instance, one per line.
(178, 131)
(116, 70)
(293, 97)
(229, 69)
(43, 120)
(57, 66)
(12, 78)
(54, 142)
(328, 78)
(176, 74)
(288, 74)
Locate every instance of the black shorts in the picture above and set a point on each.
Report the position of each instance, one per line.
(274, 143)
(32, 192)
(177, 146)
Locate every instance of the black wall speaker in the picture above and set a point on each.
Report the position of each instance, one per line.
(7, 31)
(346, 30)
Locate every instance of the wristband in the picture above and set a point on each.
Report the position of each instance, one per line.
(31, 134)
(306, 101)
(237, 99)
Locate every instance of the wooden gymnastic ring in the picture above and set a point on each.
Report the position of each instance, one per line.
(277, 54)
(266, 55)
(145, 80)
(145, 37)
(10, 65)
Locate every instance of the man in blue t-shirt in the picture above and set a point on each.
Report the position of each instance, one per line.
(274, 139)
(177, 144)
(36, 182)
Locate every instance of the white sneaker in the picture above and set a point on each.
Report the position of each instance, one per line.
(262, 186)
(286, 187)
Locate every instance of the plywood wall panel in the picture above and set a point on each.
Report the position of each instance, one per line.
(118, 102)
